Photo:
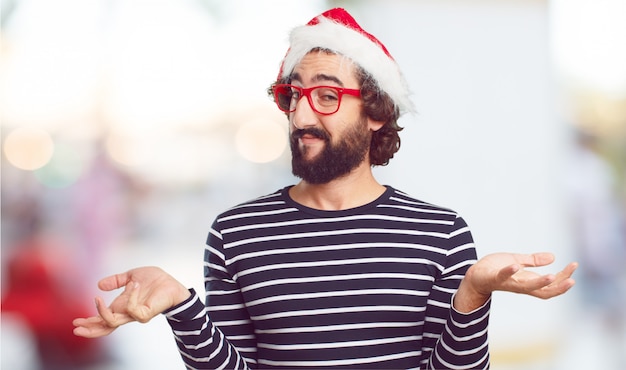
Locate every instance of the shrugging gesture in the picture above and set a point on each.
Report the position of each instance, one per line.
(148, 291)
(509, 272)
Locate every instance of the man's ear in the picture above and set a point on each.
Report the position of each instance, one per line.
(374, 125)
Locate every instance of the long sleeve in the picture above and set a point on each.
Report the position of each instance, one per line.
(201, 344)
(456, 340)
(218, 334)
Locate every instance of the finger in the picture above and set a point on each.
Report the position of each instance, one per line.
(505, 273)
(86, 321)
(110, 318)
(563, 280)
(540, 283)
(133, 299)
(91, 327)
(568, 271)
(114, 281)
(536, 259)
(515, 278)
(84, 332)
(555, 289)
(139, 311)
(105, 313)
(562, 283)
(93, 331)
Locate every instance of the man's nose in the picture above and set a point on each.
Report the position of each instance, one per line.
(304, 114)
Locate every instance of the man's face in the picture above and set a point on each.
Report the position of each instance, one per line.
(326, 147)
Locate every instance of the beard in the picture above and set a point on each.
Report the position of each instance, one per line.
(335, 160)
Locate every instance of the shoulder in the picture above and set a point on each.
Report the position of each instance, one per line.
(264, 206)
(402, 201)
(444, 219)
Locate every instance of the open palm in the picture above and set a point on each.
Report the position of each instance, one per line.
(509, 272)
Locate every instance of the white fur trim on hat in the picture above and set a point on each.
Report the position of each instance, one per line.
(360, 49)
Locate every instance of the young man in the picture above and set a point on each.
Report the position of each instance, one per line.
(338, 270)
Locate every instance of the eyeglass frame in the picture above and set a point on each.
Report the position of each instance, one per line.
(307, 92)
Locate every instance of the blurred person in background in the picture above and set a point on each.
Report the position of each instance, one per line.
(41, 295)
(45, 272)
(599, 226)
(337, 270)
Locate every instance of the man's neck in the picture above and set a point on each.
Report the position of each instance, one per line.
(353, 190)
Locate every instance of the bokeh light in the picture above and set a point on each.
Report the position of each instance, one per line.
(261, 140)
(64, 168)
(28, 148)
(128, 150)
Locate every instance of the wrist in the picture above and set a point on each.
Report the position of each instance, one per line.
(468, 298)
(182, 295)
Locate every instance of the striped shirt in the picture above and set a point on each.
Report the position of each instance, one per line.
(298, 288)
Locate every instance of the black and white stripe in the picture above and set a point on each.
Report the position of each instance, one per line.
(369, 287)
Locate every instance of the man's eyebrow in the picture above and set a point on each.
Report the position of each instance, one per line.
(317, 78)
(322, 77)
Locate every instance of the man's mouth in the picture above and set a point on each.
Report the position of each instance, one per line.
(309, 134)
(308, 137)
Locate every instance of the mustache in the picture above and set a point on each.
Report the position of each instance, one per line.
(312, 131)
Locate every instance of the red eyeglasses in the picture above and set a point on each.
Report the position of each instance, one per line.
(323, 99)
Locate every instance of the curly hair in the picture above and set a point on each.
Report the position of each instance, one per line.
(378, 106)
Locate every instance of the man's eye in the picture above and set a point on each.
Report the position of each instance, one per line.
(328, 95)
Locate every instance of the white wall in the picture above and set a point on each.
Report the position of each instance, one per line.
(486, 141)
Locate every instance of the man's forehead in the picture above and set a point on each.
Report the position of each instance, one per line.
(324, 67)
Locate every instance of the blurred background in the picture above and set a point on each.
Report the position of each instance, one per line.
(127, 126)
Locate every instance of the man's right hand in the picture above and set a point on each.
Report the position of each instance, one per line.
(148, 292)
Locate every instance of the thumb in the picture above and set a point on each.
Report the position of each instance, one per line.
(542, 259)
(114, 281)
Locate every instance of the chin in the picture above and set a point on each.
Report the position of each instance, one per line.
(309, 154)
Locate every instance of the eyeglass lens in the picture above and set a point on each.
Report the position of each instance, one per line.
(323, 99)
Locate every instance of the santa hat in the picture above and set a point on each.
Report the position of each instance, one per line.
(336, 30)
